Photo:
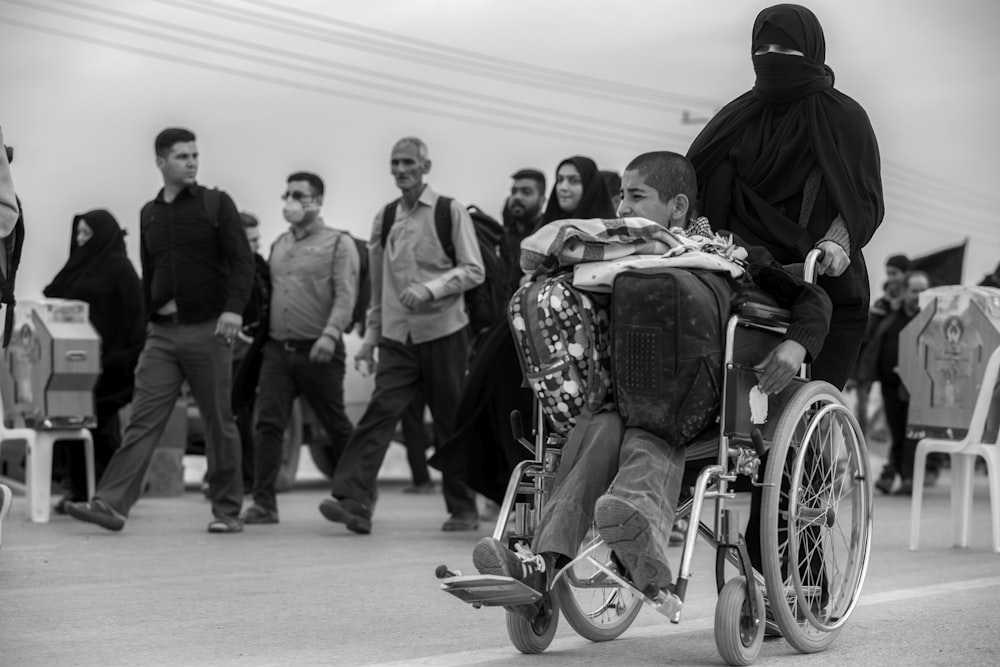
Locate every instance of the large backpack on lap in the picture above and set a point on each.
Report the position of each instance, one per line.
(562, 339)
(667, 340)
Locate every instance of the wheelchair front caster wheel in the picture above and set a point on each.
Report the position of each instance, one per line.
(738, 634)
(535, 634)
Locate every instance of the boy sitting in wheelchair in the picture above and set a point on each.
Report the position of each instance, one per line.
(627, 481)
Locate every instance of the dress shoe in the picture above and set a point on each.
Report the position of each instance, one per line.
(221, 525)
(97, 512)
(349, 512)
(255, 514)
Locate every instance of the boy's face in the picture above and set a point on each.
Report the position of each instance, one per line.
(640, 200)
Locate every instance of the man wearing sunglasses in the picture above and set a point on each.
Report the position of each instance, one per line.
(314, 279)
(197, 272)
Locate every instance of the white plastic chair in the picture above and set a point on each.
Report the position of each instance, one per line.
(963, 455)
(38, 473)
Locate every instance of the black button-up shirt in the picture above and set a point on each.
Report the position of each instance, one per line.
(206, 266)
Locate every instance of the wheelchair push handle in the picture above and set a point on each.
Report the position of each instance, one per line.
(813, 258)
(807, 269)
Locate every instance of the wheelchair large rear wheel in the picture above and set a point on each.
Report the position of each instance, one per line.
(816, 517)
(534, 635)
(598, 608)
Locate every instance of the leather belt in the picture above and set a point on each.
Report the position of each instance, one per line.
(297, 345)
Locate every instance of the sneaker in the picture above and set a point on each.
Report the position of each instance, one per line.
(460, 522)
(490, 556)
(6, 498)
(255, 514)
(353, 514)
(905, 488)
(225, 524)
(97, 512)
(627, 533)
(930, 478)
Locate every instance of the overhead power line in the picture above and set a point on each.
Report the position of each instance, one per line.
(324, 90)
(464, 98)
(317, 26)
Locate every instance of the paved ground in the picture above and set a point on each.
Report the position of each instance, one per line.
(307, 592)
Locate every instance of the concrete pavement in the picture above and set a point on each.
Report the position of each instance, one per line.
(308, 592)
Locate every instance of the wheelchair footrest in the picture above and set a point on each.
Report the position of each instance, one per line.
(490, 590)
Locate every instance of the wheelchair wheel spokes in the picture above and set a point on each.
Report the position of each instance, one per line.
(816, 522)
(598, 608)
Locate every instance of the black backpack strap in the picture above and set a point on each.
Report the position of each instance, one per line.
(12, 246)
(212, 198)
(442, 222)
(388, 218)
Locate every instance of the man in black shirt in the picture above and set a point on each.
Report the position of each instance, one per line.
(197, 272)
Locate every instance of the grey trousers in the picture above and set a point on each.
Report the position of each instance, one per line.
(174, 353)
(632, 464)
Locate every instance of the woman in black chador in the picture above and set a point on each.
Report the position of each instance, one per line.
(99, 272)
(793, 164)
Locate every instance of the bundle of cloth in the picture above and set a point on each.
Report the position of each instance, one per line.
(599, 249)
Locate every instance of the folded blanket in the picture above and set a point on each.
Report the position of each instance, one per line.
(574, 241)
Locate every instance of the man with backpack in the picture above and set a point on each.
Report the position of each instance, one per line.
(314, 283)
(419, 323)
(197, 272)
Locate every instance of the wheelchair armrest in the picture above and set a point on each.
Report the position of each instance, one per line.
(759, 306)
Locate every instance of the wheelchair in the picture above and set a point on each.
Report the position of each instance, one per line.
(801, 452)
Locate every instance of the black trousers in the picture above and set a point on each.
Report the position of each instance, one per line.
(285, 374)
(433, 370)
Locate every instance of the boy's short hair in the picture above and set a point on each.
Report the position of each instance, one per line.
(166, 139)
(669, 173)
(533, 174)
(314, 181)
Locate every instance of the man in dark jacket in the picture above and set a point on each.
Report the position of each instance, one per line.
(197, 271)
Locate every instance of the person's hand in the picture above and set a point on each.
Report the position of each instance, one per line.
(364, 360)
(415, 294)
(780, 366)
(323, 349)
(834, 261)
(229, 326)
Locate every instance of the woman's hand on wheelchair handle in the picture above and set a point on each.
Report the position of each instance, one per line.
(834, 259)
(780, 366)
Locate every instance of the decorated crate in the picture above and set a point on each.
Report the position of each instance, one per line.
(943, 353)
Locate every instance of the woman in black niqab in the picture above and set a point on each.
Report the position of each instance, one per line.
(100, 273)
(793, 164)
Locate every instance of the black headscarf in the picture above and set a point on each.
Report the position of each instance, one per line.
(754, 156)
(100, 273)
(595, 202)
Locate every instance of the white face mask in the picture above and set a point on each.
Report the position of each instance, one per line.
(293, 211)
